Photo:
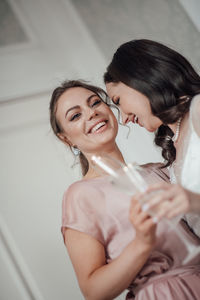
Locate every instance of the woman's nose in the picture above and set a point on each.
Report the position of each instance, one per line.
(91, 112)
(125, 118)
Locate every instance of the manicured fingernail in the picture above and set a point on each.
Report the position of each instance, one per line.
(155, 220)
(145, 207)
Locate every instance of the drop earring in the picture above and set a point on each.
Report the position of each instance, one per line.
(76, 151)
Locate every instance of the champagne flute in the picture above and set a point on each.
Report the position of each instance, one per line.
(128, 178)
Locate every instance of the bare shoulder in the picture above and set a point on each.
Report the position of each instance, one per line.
(195, 113)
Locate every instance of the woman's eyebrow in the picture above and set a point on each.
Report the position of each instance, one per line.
(78, 106)
(71, 108)
(90, 97)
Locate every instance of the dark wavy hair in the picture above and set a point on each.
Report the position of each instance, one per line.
(164, 76)
(53, 108)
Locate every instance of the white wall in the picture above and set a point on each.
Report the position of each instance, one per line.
(192, 8)
(33, 180)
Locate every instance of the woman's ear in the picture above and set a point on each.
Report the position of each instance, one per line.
(64, 139)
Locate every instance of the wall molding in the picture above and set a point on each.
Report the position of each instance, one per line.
(20, 271)
(192, 8)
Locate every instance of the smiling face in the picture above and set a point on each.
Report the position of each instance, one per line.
(86, 121)
(134, 106)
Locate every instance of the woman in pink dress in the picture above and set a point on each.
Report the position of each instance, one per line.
(112, 243)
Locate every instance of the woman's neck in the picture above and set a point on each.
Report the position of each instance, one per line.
(113, 152)
(182, 127)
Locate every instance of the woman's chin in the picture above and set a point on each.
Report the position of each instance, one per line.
(151, 129)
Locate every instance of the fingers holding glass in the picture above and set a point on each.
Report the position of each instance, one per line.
(165, 200)
(144, 224)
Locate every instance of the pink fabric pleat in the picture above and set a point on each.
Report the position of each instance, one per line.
(178, 284)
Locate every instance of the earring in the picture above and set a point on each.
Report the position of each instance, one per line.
(75, 151)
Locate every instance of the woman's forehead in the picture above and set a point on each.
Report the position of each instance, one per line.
(78, 93)
(74, 95)
(111, 88)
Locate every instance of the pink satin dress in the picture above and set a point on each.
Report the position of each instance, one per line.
(98, 209)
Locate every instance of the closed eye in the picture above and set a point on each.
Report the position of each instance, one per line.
(75, 116)
(116, 101)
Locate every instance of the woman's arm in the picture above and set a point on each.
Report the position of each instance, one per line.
(99, 280)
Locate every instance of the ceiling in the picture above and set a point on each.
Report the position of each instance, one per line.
(43, 42)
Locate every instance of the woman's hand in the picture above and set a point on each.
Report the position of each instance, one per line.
(144, 225)
(170, 200)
